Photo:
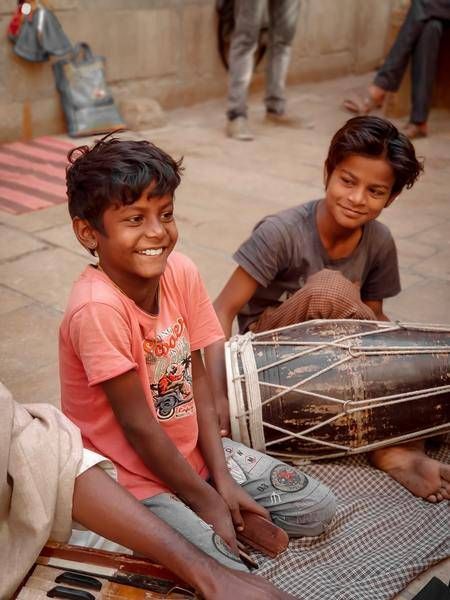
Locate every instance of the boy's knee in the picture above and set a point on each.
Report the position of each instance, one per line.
(326, 280)
(309, 516)
(331, 295)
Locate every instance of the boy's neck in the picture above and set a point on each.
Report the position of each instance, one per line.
(146, 296)
(339, 242)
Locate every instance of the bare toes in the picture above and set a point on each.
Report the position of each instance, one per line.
(432, 498)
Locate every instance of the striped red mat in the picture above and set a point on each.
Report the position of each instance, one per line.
(32, 174)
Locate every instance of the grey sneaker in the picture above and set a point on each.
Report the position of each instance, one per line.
(237, 129)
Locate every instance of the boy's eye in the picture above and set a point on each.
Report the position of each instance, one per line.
(167, 216)
(135, 219)
(377, 193)
(346, 180)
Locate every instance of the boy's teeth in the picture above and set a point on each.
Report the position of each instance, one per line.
(151, 251)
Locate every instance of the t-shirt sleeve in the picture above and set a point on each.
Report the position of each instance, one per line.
(203, 325)
(383, 279)
(101, 339)
(265, 253)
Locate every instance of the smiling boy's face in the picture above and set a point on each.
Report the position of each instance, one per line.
(358, 190)
(137, 240)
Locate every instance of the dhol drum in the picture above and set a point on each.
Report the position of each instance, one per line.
(328, 388)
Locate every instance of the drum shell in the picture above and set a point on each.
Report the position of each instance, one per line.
(349, 380)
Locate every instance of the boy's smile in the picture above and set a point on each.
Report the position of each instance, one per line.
(136, 244)
(358, 190)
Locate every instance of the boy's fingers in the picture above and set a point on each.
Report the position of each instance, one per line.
(224, 433)
(260, 510)
(237, 518)
(252, 506)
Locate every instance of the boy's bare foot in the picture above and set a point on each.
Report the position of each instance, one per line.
(411, 467)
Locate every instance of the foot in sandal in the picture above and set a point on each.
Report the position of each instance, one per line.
(415, 130)
(364, 104)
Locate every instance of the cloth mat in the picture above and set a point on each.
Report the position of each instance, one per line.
(33, 174)
(381, 538)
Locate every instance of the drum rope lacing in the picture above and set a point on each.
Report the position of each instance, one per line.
(255, 404)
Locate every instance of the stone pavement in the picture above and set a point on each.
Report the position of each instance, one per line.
(227, 187)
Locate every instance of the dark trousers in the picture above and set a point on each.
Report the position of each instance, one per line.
(420, 40)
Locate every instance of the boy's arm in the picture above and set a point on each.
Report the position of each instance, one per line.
(162, 457)
(377, 307)
(101, 504)
(237, 292)
(235, 497)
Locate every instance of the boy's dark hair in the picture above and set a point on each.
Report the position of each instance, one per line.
(116, 171)
(375, 137)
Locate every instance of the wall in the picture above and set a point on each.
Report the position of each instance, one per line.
(167, 50)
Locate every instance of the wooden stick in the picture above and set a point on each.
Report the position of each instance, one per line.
(246, 558)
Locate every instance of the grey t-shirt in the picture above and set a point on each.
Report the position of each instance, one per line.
(285, 249)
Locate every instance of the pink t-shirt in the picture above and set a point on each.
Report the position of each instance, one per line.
(105, 334)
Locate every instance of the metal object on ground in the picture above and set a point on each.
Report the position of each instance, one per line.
(328, 388)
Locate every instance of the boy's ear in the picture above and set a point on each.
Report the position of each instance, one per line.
(86, 234)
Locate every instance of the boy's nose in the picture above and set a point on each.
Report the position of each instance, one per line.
(357, 196)
(154, 228)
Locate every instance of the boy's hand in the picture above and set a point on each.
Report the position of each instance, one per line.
(226, 583)
(237, 499)
(214, 511)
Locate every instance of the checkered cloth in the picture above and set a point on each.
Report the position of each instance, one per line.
(381, 538)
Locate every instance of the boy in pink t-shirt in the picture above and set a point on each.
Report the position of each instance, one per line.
(132, 373)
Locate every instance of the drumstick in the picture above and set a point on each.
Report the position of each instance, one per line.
(246, 558)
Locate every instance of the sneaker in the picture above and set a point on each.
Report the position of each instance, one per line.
(237, 129)
(283, 120)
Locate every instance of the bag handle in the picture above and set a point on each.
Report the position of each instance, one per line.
(82, 53)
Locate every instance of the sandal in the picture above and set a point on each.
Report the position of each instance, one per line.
(361, 105)
(414, 131)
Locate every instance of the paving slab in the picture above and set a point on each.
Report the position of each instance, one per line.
(46, 276)
(15, 243)
(28, 350)
(11, 300)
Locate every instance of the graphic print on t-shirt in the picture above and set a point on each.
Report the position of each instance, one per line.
(168, 359)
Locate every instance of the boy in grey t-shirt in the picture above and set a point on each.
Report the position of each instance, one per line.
(297, 252)
(331, 259)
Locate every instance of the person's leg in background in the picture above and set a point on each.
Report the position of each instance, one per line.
(423, 70)
(248, 16)
(283, 18)
(389, 76)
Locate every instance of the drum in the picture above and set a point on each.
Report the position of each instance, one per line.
(328, 388)
(90, 574)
